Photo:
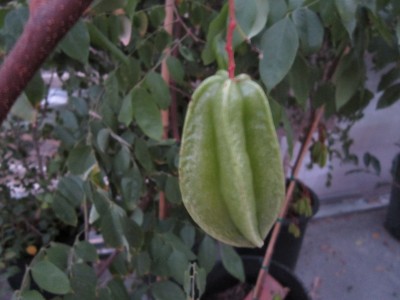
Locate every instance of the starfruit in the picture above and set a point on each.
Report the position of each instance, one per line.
(230, 168)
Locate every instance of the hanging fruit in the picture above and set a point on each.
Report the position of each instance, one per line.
(231, 174)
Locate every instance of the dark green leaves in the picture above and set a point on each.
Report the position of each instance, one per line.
(347, 11)
(251, 16)
(349, 76)
(80, 160)
(390, 96)
(158, 89)
(232, 262)
(118, 230)
(50, 278)
(167, 290)
(31, 295)
(144, 107)
(300, 81)
(309, 28)
(64, 210)
(279, 45)
(76, 43)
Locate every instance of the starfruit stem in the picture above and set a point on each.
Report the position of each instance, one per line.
(229, 39)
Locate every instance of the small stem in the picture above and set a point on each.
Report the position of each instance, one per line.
(229, 39)
(168, 26)
(104, 266)
(36, 145)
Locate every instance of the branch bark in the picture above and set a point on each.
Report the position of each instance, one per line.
(44, 29)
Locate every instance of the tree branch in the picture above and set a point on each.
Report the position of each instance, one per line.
(44, 29)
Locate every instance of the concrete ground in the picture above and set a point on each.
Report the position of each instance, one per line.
(350, 257)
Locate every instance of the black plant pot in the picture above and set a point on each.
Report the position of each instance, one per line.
(392, 221)
(287, 247)
(219, 280)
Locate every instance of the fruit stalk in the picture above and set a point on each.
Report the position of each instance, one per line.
(229, 39)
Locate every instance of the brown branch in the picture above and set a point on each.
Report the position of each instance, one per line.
(44, 29)
(316, 118)
(168, 26)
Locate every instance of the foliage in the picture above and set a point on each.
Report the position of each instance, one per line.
(111, 162)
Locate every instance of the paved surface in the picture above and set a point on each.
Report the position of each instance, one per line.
(350, 257)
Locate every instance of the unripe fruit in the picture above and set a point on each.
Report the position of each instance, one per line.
(231, 174)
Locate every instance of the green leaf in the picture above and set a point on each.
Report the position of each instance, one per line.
(176, 69)
(279, 45)
(167, 290)
(207, 253)
(128, 74)
(177, 244)
(130, 7)
(71, 187)
(251, 17)
(295, 4)
(172, 190)
(83, 282)
(103, 138)
(86, 251)
(287, 126)
(50, 278)
(23, 109)
(31, 295)
(58, 254)
(299, 78)
(122, 160)
(118, 230)
(277, 10)
(177, 264)
(188, 235)
(125, 115)
(217, 26)
(348, 78)
(158, 89)
(112, 227)
(347, 11)
(309, 28)
(146, 113)
(118, 289)
(389, 78)
(142, 154)
(119, 266)
(142, 263)
(80, 160)
(232, 262)
(64, 211)
(14, 23)
(389, 97)
(99, 39)
(76, 43)
(201, 280)
(131, 185)
(35, 89)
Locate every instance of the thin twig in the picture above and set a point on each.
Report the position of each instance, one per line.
(105, 264)
(187, 29)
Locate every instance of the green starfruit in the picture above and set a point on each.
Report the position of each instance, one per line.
(230, 168)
